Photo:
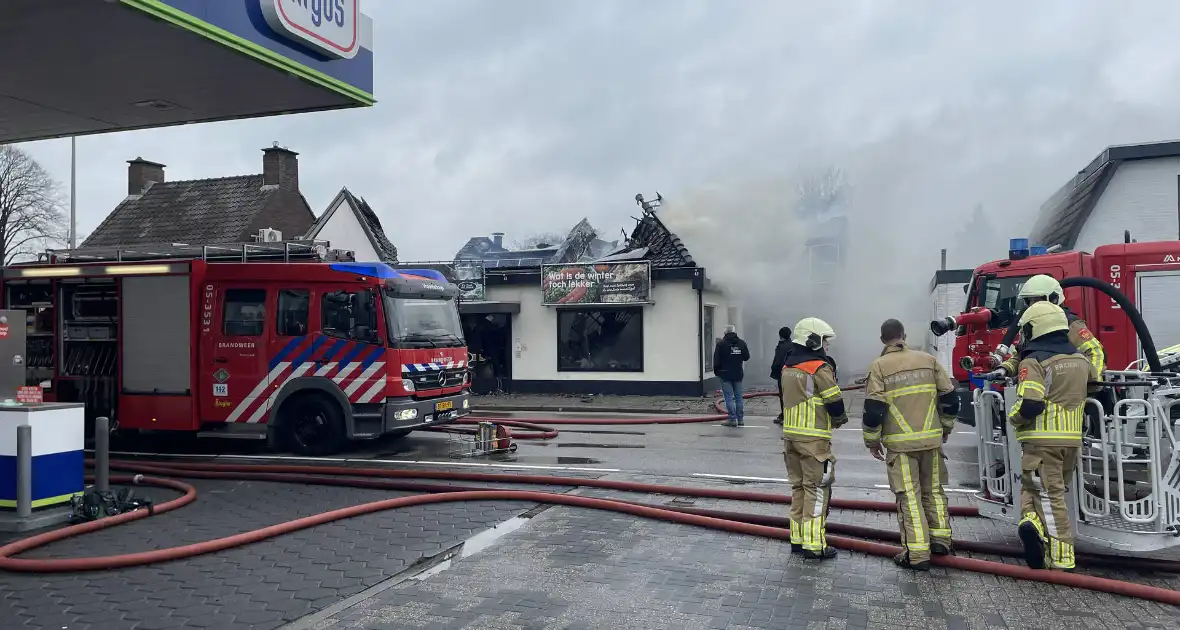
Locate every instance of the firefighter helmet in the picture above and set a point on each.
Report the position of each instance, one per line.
(1042, 318)
(811, 332)
(1042, 286)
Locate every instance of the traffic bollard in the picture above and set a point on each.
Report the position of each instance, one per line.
(24, 471)
(102, 454)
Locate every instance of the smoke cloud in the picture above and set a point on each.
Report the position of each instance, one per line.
(966, 179)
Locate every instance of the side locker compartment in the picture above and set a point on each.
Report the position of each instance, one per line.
(156, 370)
(87, 345)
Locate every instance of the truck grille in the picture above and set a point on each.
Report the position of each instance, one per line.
(436, 379)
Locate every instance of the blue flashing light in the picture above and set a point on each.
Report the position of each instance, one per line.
(1018, 244)
(1038, 250)
(425, 273)
(374, 270)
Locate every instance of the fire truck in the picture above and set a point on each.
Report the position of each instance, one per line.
(290, 342)
(1125, 495)
(1148, 273)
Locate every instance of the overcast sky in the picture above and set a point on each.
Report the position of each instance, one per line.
(526, 115)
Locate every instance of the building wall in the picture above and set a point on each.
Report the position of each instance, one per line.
(1142, 198)
(945, 300)
(344, 231)
(723, 316)
(670, 338)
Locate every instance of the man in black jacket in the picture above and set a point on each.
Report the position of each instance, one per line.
(776, 368)
(728, 357)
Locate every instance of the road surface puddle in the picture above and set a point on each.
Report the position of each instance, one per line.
(474, 545)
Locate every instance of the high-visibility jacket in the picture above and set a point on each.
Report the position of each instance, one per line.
(812, 402)
(1051, 398)
(1082, 338)
(910, 402)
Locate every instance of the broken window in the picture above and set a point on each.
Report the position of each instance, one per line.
(607, 340)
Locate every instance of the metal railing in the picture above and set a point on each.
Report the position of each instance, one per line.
(285, 251)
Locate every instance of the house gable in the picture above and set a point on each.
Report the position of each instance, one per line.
(350, 223)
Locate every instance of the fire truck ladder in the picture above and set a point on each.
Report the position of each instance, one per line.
(286, 251)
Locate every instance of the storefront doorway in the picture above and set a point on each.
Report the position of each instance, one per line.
(489, 343)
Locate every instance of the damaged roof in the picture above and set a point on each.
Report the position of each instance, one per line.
(386, 251)
(663, 247)
(217, 210)
(582, 244)
(1061, 217)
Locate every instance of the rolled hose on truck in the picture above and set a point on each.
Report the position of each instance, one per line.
(757, 525)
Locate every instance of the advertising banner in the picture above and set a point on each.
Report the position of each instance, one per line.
(469, 276)
(611, 284)
(466, 274)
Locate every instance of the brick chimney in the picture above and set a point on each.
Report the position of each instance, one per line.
(498, 239)
(141, 173)
(280, 167)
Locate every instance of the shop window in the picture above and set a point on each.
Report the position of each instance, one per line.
(349, 315)
(708, 343)
(244, 314)
(600, 340)
(293, 310)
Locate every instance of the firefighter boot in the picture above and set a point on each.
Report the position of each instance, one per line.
(827, 553)
(903, 560)
(942, 549)
(1033, 540)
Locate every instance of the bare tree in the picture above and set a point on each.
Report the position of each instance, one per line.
(822, 192)
(31, 216)
(539, 240)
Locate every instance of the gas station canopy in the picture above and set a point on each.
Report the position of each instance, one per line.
(93, 66)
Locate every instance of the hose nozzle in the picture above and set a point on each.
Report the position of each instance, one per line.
(942, 326)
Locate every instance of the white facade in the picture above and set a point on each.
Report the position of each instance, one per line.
(671, 335)
(946, 300)
(1140, 197)
(344, 231)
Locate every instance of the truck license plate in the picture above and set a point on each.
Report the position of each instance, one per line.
(444, 405)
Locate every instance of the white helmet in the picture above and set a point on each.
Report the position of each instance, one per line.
(1042, 286)
(812, 332)
(1041, 319)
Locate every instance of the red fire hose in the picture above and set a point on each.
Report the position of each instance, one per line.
(7, 562)
(546, 432)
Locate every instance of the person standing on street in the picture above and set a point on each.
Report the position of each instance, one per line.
(910, 410)
(1048, 415)
(812, 407)
(776, 367)
(728, 359)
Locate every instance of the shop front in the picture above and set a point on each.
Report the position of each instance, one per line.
(597, 328)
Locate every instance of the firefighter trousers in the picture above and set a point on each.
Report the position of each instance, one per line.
(811, 468)
(1045, 473)
(916, 479)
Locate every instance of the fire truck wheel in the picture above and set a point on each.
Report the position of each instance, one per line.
(312, 424)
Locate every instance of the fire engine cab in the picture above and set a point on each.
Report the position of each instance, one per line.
(290, 342)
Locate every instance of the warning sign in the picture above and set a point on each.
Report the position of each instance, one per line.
(30, 395)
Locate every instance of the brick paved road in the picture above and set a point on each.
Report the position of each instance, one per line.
(259, 586)
(572, 568)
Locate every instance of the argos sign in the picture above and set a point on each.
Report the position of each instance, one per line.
(329, 26)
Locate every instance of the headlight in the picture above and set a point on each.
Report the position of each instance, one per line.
(405, 414)
(407, 384)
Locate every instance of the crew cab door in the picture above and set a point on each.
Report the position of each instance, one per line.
(234, 362)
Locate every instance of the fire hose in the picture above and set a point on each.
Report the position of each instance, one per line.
(539, 431)
(737, 523)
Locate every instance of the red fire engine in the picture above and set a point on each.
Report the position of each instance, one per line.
(1148, 273)
(289, 342)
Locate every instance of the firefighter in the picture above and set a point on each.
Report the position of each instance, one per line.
(910, 410)
(1046, 288)
(1047, 419)
(813, 406)
(1040, 288)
